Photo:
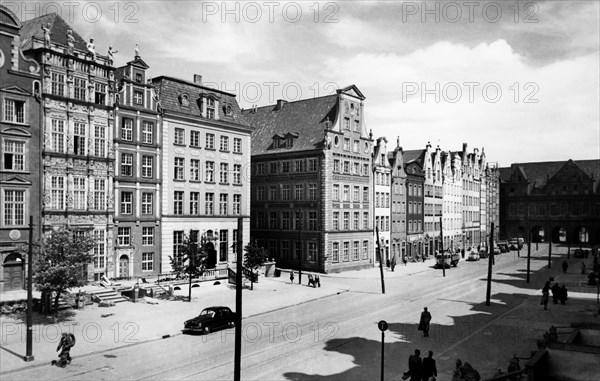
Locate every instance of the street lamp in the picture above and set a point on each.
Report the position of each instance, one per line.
(299, 243)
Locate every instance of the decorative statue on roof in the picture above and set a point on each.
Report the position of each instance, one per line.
(327, 138)
(70, 41)
(111, 52)
(137, 51)
(91, 49)
(47, 34)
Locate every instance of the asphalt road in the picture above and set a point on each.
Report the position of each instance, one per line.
(337, 337)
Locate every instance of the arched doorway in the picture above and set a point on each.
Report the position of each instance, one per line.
(13, 272)
(211, 261)
(124, 266)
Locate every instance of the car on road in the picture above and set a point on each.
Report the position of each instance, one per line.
(516, 243)
(503, 246)
(446, 260)
(472, 255)
(581, 253)
(210, 319)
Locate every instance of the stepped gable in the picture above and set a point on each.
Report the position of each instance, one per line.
(172, 90)
(58, 28)
(308, 118)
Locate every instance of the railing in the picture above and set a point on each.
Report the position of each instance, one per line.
(209, 274)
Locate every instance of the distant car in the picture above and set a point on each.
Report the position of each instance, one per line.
(446, 260)
(581, 253)
(210, 319)
(496, 249)
(515, 243)
(472, 255)
(503, 246)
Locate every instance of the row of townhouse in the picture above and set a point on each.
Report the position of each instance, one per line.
(139, 163)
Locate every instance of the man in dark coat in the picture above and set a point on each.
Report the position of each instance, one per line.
(415, 365)
(424, 322)
(67, 341)
(428, 369)
(555, 293)
(563, 294)
(565, 266)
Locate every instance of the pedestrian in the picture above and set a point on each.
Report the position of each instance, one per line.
(457, 374)
(545, 295)
(583, 268)
(565, 266)
(292, 276)
(555, 293)
(415, 365)
(428, 370)
(405, 261)
(67, 341)
(424, 322)
(469, 373)
(318, 280)
(393, 263)
(563, 294)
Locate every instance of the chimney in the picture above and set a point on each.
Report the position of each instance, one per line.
(280, 103)
(198, 79)
(464, 147)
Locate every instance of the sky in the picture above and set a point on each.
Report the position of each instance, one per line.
(519, 79)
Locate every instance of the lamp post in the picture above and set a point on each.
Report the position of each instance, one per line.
(299, 227)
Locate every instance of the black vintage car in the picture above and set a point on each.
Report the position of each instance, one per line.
(210, 319)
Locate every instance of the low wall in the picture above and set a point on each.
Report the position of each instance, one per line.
(573, 362)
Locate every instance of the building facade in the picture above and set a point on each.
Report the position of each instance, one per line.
(556, 201)
(398, 195)
(382, 188)
(312, 182)
(205, 155)
(452, 200)
(19, 152)
(138, 173)
(471, 203)
(415, 181)
(77, 127)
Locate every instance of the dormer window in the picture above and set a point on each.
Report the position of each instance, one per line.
(289, 141)
(210, 108)
(184, 100)
(138, 77)
(227, 110)
(284, 140)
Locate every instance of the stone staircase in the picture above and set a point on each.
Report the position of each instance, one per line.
(154, 290)
(107, 295)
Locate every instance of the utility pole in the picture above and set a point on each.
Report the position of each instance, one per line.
(443, 254)
(380, 260)
(528, 252)
(238, 302)
(29, 345)
(488, 293)
(550, 247)
(299, 222)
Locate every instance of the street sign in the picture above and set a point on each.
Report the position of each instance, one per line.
(383, 325)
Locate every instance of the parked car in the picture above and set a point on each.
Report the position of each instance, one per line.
(515, 243)
(472, 255)
(447, 259)
(496, 249)
(503, 246)
(483, 252)
(210, 319)
(581, 253)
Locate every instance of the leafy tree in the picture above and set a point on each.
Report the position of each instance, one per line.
(254, 258)
(192, 260)
(63, 256)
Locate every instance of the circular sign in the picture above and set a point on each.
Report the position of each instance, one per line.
(14, 234)
(383, 325)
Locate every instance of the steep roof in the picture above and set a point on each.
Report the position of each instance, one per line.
(414, 155)
(58, 28)
(539, 172)
(306, 117)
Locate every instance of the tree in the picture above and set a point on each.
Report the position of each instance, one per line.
(191, 261)
(254, 258)
(63, 256)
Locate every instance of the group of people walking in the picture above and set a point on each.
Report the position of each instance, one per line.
(421, 369)
(559, 293)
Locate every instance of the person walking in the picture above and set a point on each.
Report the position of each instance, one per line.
(565, 266)
(555, 293)
(424, 322)
(67, 341)
(545, 295)
(428, 369)
(563, 294)
(415, 365)
(292, 276)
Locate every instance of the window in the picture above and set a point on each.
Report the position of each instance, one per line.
(299, 192)
(138, 98)
(237, 145)
(99, 141)
(179, 168)
(224, 173)
(272, 192)
(365, 224)
(223, 204)
(285, 167)
(356, 147)
(147, 201)
(147, 166)
(210, 108)
(312, 251)
(346, 225)
(179, 137)
(100, 93)
(99, 194)
(99, 249)
(285, 220)
(346, 168)
(365, 194)
(147, 132)
(58, 84)
(223, 245)
(126, 202)
(14, 155)
(260, 193)
(299, 220)
(79, 198)
(126, 164)
(14, 207)
(312, 165)
(273, 223)
(299, 165)
(346, 123)
(298, 249)
(346, 252)
(224, 144)
(147, 236)
(209, 200)
(285, 249)
(123, 236)
(237, 204)
(147, 261)
(138, 77)
(127, 129)
(79, 138)
(234, 246)
(285, 192)
(355, 221)
(336, 192)
(58, 135)
(79, 87)
(366, 169)
(57, 192)
(177, 245)
(273, 167)
(312, 191)
(355, 251)
(210, 172)
(346, 194)
(195, 138)
(194, 170)
(346, 144)
(356, 194)
(336, 165)
(210, 141)
(312, 220)
(365, 250)
(335, 252)
(336, 221)
(178, 203)
(356, 169)
(14, 111)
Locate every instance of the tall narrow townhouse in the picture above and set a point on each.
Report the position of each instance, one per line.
(432, 199)
(398, 196)
(471, 194)
(20, 89)
(452, 200)
(137, 173)
(312, 182)
(415, 181)
(205, 159)
(493, 200)
(77, 124)
(382, 188)
(481, 165)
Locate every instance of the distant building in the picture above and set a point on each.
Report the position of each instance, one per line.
(398, 195)
(382, 187)
(205, 155)
(312, 182)
(452, 200)
(557, 200)
(415, 181)
(20, 130)
(471, 203)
